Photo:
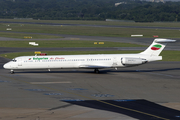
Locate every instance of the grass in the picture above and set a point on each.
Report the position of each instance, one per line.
(22, 35)
(171, 55)
(92, 31)
(167, 55)
(65, 43)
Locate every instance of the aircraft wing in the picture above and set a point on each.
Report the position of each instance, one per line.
(94, 66)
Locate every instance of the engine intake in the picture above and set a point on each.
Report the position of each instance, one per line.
(132, 61)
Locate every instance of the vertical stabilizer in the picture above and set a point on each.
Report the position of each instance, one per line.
(157, 46)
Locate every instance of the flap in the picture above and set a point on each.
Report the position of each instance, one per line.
(93, 66)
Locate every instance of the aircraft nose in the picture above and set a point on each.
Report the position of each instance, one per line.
(6, 66)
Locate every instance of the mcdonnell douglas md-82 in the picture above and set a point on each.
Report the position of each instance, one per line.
(96, 62)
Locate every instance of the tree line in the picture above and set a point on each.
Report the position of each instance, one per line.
(136, 10)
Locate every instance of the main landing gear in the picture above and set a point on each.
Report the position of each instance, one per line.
(96, 71)
(12, 71)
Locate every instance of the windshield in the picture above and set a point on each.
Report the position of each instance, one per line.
(13, 60)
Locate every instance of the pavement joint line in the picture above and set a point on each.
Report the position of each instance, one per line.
(137, 111)
(166, 75)
(50, 82)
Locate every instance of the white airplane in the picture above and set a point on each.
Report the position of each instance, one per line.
(98, 61)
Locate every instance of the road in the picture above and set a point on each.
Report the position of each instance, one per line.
(86, 25)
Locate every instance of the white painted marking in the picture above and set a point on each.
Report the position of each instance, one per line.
(9, 29)
(33, 43)
(136, 35)
(49, 82)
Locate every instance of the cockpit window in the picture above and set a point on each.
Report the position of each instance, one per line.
(14, 60)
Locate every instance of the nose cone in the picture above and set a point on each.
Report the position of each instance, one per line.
(6, 66)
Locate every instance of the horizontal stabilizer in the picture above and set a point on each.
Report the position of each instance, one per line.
(160, 40)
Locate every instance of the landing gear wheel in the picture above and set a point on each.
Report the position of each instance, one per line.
(12, 71)
(96, 71)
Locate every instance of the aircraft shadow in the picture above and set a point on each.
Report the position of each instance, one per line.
(139, 109)
(109, 71)
(152, 70)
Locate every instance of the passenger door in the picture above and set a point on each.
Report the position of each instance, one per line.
(19, 62)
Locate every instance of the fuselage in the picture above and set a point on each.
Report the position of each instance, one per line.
(77, 61)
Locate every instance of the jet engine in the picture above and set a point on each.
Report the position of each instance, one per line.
(128, 61)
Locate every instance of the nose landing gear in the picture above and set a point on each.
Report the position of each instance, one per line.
(12, 71)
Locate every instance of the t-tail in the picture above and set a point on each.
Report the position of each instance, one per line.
(154, 50)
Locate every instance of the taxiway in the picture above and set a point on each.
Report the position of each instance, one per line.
(74, 94)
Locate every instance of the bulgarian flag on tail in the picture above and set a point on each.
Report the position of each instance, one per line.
(156, 47)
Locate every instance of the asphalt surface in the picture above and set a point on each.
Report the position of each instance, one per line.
(128, 93)
(86, 25)
(139, 109)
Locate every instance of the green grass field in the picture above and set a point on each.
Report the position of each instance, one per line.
(65, 43)
(167, 55)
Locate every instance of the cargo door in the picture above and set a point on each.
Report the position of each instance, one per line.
(115, 63)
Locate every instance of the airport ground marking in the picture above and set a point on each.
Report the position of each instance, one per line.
(137, 111)
(46, 87)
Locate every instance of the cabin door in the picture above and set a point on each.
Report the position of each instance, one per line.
(19, 62)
